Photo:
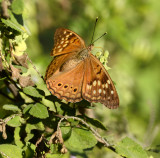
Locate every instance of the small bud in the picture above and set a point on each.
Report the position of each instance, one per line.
(64, 150)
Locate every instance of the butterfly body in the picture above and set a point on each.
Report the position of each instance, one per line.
(75, 74)
(74, 60)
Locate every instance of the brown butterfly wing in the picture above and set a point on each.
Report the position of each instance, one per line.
(97, 84)
(66, 41)
(67, 85)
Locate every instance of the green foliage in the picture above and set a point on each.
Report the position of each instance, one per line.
(39, 110)
(77, 139)
(32, 92)
(14, 25)
(11, 151)
(17, 6)
(96, 123)
(11, 107)
(34, 123)
(14, 122)
(130, 149)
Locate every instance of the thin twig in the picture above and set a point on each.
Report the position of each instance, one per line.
(34, 67)
(10, 117)
(39, 140)
(98, 136)
(4, 6)
(3, 154)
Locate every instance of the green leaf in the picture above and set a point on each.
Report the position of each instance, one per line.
(80, 139)
(32, 92)
(29, 149)
(27, 108)
(11, 151)
(66, 132)
(48, 155)
(29, 136)
(14, 122)
(11, 107)
(39, 110)
(96, 123)
(38, 126)
(49, 104)
(14, 25)
(17, 138)
(130, 149)
(17, 6)
(153, 154)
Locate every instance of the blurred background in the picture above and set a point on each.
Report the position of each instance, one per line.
(133, 41)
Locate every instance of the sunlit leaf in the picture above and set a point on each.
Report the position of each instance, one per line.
(32, 92)
(130, 149)
(11, 107)
(80, 139)
(17, 6)
(96, 123)
(14, 122)
(39, 110)
(14, 25)
(11, 151)
(38, 126)
(17, 137)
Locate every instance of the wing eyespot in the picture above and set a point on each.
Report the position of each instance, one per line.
(65, 86)
(75, 90)
(59, 84)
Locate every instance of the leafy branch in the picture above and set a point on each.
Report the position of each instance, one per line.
(43, 125)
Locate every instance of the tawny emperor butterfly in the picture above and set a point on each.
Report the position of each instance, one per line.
(75, 73)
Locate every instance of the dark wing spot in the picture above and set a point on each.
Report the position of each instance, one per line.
(75, 90)
(59, 84)
(99, 71)
(66, 86)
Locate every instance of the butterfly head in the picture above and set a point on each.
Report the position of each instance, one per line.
(90, 47)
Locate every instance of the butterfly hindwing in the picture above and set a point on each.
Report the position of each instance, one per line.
(67, 85)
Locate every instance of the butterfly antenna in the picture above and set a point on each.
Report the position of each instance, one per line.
(99, 38)
(94, 30)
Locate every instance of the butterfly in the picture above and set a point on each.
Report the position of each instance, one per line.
(75, 73)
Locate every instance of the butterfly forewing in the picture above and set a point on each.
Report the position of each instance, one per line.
(66, 41)
(97, 84)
